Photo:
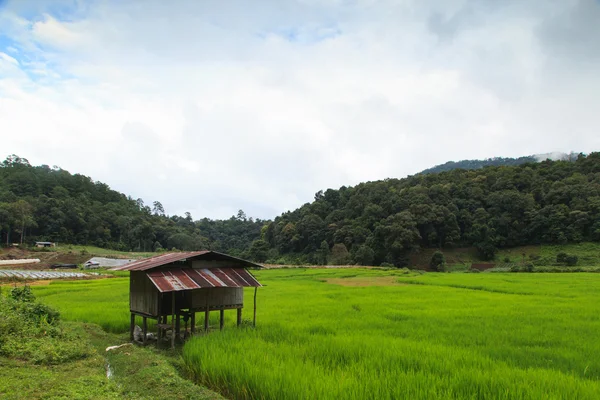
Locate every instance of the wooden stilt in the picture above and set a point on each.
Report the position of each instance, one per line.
(221, 319)
(206, 319)
(239, 316)
(254, 319)
(173, 321)
(193, 322)
(144, 329)
(178, 326)
(131, 326)
(159, 332)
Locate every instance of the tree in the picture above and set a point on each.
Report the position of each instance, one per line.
(323, 253)
(364, 255)
(438, 262)
(158, 208)
(340, 254)
(259, 250)
(23, 212)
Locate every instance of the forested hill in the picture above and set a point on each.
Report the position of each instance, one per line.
(477, 164)
(498, 161)
(371, 223)
(51, 204)
(489, 208)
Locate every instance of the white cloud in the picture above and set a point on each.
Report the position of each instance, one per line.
(5, 57)
(212, 106)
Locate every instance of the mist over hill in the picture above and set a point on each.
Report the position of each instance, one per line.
(498, 161)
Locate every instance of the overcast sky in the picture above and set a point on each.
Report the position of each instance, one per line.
(213, 106)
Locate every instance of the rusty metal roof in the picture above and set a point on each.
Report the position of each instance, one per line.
(169, 258)
(177, 279)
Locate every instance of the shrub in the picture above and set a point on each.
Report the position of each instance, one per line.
(561, 257)
(386, 265)
(438, 262)
(22, 294)
(571, 260)
(506, 259)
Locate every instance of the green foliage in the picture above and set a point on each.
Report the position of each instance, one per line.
(438, 262)
(571, 260)
(259, 251)
(561, 257)
(31, 331)
(364, 255)
(22, 294)
(478, 164)
(340, 254)
(492, 209)
(323, 254)
(43, 203)
(566, 259)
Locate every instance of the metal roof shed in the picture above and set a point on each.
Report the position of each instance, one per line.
(182, 284)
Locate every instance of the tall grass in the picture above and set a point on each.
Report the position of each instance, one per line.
(101, 301)
(446, 336)
(450, 336)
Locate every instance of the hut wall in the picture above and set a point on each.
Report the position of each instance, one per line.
(216, 298)
(143, 295)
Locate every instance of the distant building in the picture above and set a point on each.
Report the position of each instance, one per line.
(45, 244)
(98, 262)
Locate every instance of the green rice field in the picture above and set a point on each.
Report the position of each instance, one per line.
(386, 334)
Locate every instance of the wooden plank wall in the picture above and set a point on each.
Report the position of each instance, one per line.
(216, 297)
(143, 295)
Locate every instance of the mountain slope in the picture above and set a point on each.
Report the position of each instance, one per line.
(489, 208)
(43, 203)
(498, 161)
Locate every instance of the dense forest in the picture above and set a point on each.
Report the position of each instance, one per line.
(370, 224)
(44, 203)
(488, 208)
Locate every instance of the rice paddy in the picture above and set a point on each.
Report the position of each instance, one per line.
(359, 333)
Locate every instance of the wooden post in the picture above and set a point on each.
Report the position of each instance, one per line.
(178, 326)
(239, 316)
(206, 317)
(159, 332)
(144, 329)
(221, 319)
(131, 326)
(193, 321)
(173, 321)
(254, 319)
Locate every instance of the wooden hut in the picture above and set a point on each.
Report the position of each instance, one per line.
(182, 284)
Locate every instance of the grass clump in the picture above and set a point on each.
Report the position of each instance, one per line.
(32, 331)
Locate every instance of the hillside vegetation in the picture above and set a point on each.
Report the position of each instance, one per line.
(551, 202)
(393, 221)
(477, 164)
(50, 204)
